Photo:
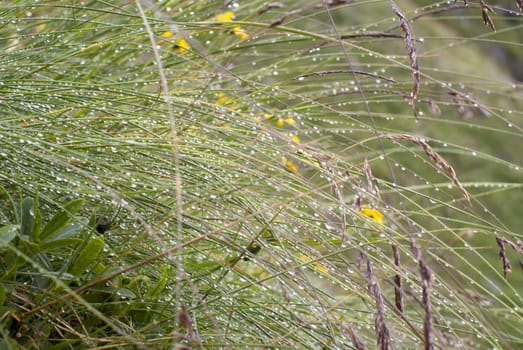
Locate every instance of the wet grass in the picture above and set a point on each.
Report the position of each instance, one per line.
(283, 178)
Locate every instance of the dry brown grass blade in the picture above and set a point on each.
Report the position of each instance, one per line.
(283, 18)
(398, 283)
(381, 329)
(486, 10)
(411, 50)
(503, 256)
(463, 101)
(435, 156)
(333, 3)
(358, 344)
(268, 7)
(518, 246)
(371, 187)
(426, 279)
(185, 322)
(520, 5)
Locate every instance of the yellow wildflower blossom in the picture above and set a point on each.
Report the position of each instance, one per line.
(40, 27)
(289, 165)
(319, 267)
(257, 272)
(238, 31)
(225, 100)
(290, 121)
(228, 17)
(225, 17)
(373, 214)
(280, 123)
(308, 158)
(181, 45)
(295, 139)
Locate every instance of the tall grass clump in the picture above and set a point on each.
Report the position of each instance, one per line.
(287, 175)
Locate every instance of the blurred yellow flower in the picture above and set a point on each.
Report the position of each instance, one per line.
(373, 214)
(289, 165)
(319, 267)
(181, 45)
(280, 123)
(224, 100)
(290, 121)
(295, 139)
(225, 17)
(308, 158)
(238, 31)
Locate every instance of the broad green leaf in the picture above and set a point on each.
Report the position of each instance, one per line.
(92, 219)
(2, 294)
(126, 293)
(27, 219)
(41, 280)
(37, 227)
(28, 247)
(60, 220)
(7, 234)
(59, 243)
(99, 268)
(71, 229)
(87, 255)
(155, 292)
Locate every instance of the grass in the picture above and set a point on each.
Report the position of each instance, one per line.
(262, 183)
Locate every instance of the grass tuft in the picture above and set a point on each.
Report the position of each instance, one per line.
(200, 175)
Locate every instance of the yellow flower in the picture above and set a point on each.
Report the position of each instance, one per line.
(225, 17)
(224, 100)
(228, 17)
(319, 267)
(289, 165)
(373, 214)
(290, 121)
(181, 45)
(308, 158)
(280, 123)
(40, 27)
(295, 139)
(238, 31)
